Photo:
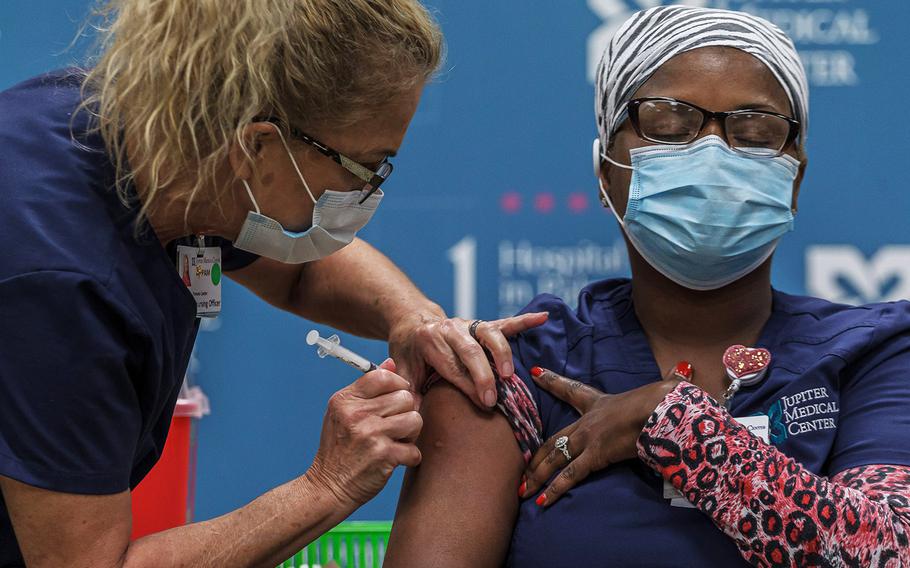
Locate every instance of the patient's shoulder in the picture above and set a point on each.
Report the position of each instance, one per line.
(444, 403)
(451, 412)
(453, 425)
(599, 307)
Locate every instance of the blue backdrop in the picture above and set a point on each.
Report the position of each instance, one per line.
(493, 198)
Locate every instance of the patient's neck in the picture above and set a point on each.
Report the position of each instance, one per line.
(670, 313)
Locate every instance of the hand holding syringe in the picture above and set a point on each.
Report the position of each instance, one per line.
(369, 429)
(332, 346)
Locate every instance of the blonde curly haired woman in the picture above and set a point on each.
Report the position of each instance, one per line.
(251, 136)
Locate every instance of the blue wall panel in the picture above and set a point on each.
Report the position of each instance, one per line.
(493, 199)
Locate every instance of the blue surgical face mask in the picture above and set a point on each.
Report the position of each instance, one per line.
(702, 214)
(337, 216)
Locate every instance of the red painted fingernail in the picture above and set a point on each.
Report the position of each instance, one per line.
(541, 500)
(522, 488)
(536, 372)
(683, 369)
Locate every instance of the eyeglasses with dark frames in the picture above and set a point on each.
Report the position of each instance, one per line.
(755, 133)
(372, 177)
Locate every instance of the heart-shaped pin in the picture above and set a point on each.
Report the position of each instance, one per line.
(748, 364)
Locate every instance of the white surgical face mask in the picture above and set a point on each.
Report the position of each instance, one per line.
(337, 216)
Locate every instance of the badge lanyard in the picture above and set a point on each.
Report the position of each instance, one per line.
(200, 269)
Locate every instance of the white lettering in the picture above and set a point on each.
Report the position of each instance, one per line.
(804, 396)
(796, 428)
(811, 410)
(526, 269)
(517, 293)
(830, 68)
(524, 259)
(807, 26)
(800, 406)
(821, 26)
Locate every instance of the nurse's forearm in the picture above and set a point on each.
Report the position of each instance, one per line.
(61, 529)
(263, 533)
(359, 290)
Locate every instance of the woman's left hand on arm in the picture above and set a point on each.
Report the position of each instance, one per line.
(424, 341)
(606, 433)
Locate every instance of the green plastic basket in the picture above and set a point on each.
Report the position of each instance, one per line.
(354, 544)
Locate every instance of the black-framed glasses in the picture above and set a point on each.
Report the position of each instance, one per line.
(372, 177)
(756, 133)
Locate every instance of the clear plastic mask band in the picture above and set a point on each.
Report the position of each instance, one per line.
(615, 163)
(250, 193)
(294, 163)
(605, 199)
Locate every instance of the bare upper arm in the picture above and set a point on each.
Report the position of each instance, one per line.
(62, 529)
(459, 506)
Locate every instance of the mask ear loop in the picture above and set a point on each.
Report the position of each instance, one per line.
(250, 193)
(598, 155)
(617, 164)
(294, 162)
(605, 201)
(604, 197)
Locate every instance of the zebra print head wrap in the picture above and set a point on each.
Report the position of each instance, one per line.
(651, 37)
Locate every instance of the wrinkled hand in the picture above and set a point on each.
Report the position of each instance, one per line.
(606, 433)
(446, 345)
(369, 429)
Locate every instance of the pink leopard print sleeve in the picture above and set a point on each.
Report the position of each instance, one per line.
(778, 513)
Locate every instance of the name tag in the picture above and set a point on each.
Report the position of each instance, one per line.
(759, 427)
(200, 270)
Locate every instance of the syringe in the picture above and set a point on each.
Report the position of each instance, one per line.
(332, 346)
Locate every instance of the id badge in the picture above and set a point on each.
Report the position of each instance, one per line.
(759, 427)
(200, 269)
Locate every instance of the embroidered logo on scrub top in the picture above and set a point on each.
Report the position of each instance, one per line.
(809, 410)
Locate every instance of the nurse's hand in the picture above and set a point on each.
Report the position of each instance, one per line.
(423, 343)
(369, 429)
(606, 433)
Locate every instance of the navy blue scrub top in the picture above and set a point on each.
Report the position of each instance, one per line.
(837, 396)
(96, 326)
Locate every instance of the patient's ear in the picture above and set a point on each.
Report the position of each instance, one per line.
(601, 171)
(798, 182)
(603, 179)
